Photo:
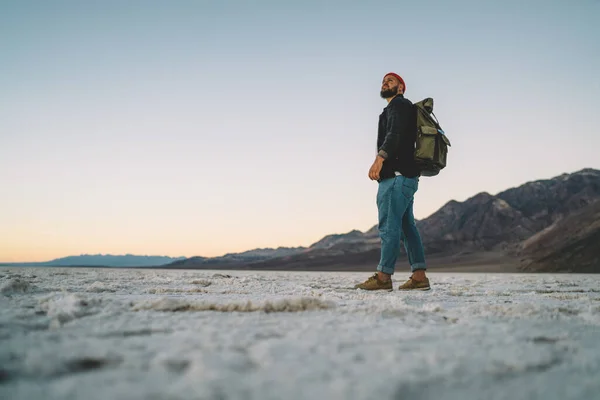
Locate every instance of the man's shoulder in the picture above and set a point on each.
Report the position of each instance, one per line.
(400, 102)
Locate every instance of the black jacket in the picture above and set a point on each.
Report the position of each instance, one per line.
(396, 138)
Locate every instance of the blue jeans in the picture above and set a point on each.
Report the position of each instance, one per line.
(395, 198)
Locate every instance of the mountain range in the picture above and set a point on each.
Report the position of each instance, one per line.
(104, 260)
(544, 225)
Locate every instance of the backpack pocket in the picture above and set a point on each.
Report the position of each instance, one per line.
(426, 143)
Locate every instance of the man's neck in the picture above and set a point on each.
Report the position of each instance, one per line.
(392, 98)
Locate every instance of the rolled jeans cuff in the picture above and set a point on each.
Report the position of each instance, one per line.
(418, 266)
(385, 270)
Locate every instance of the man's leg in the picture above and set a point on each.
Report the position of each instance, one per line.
(412, 242)
(391, 204)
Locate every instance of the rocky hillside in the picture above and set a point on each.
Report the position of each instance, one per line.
(546, 201)
(482, 223)
(485, 222)
(571, 244)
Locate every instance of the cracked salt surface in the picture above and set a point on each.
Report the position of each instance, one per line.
(154, 334)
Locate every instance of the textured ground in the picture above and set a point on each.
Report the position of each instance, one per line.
(153, 334)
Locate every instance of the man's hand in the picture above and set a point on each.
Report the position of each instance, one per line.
(376, 168)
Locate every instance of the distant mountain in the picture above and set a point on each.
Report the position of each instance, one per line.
(106, 260)
(483, 224)
(236, 258)
(330, 241)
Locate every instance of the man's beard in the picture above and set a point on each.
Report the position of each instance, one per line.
(386, 94)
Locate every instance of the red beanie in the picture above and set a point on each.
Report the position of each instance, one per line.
(397, 77)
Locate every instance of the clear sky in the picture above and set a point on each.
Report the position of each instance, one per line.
(190, 128)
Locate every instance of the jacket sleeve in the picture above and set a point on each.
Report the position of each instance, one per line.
(398, 119)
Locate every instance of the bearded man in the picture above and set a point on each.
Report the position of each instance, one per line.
(397, 175)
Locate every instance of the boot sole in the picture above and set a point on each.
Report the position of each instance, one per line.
(419, 289)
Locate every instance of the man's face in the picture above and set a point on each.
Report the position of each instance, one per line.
(390, 87)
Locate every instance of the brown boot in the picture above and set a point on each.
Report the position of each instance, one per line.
(374, 283)
(411, 284)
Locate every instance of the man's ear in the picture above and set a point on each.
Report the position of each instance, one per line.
(401, 88)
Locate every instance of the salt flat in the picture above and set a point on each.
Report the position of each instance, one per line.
(157, 334)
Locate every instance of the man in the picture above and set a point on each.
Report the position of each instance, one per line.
(398, 177)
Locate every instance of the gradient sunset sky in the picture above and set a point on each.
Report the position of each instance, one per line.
(188, 128)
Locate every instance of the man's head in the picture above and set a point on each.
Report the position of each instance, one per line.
(392, 85)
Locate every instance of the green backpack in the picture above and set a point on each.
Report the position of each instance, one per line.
(432, 144)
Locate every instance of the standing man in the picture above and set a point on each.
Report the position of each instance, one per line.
(398, 177)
